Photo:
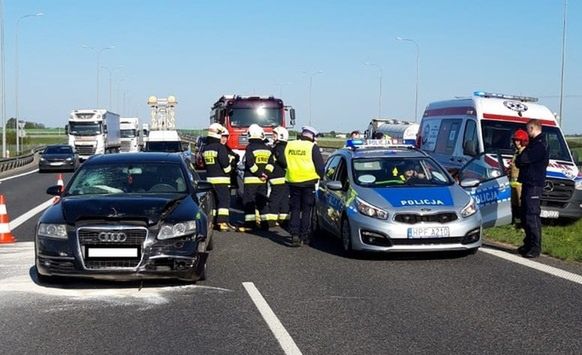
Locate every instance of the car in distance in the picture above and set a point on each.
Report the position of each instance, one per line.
(128, 216)
(386, 198)
(58, 157)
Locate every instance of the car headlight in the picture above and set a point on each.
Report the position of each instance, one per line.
(57, 231)
(69, 159)
(369, 210)
(181, 229)
(42, 159)
(578, 184)
(470, 209)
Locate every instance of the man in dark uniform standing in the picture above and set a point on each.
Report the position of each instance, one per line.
(532, 164)
(233, 158)
(305, 167)
(218, 170)
(279, 197)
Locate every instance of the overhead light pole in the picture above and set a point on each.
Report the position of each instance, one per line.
(417, 73)
(98, 52)
(17, 113)
(311, 75)
(2, 82)
(110, 72)
(380, 79)
(563, 60)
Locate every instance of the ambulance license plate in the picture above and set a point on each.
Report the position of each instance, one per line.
(550, 214)
(428, 232)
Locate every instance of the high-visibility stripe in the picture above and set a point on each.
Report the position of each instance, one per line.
(250, 218)
(252, 180)
(3, 209)
(219, 180)
(277, 181)
(283, 216)
(515, 184)
(228, 169)
(223, 212)
(4, 228)
(254, 168)
(269, 168)
(269, 217)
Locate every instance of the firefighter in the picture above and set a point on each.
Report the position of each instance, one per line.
(218, 170)
(520, 141)
(233, 158)
(279, 197)
(258, 167)
(304, 169)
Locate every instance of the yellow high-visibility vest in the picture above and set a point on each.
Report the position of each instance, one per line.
(300, 167)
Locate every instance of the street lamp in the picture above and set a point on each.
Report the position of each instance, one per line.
(562, 69)
(98, 52)
(311, 75)
(16, 76)
(110, 71)
(380, 79)
(417, 70)
(280, 85)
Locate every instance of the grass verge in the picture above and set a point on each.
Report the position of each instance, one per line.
(561, 240)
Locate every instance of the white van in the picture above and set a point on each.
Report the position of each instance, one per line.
(455, 132)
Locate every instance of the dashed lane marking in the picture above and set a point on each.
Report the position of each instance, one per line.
(554, 271)
(19, 175)
(287, 343)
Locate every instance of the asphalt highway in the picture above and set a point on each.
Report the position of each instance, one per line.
(325, 303)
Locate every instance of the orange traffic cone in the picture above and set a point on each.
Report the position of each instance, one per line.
(60, 181)
(5, 233)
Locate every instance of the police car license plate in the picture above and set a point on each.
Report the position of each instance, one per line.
(550, 214)
(112, 252)
(428, 232)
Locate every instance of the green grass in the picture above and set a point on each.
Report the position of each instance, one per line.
(561, 240)
(331, 142)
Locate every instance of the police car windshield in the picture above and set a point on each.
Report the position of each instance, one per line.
(399, 172)
(497, 138)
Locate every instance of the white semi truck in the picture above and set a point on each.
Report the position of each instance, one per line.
(93, 132)
(162, 135)
(129, 134)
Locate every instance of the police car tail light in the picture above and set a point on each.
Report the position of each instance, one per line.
(470, 209)
(369, 210)
(57, 231)
(181, 229)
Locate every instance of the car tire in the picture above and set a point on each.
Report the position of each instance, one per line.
(315, 227)
(346, 238)
(472, 251)
(202, 276)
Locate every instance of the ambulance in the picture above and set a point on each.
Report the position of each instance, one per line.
(479, 128)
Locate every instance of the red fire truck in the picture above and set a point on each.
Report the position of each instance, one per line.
(237, 113)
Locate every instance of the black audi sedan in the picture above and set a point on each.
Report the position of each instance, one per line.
(128, 216)
(58, 157)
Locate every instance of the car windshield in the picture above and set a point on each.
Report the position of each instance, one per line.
(142, 178)
(128, 133)
(422, 171)
(497, 138)
(263, 116)
(58, 150)
(84, 128)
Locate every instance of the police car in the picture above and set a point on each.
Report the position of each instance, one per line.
(391, 198)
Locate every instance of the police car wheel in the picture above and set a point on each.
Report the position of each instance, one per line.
(315, 228)
(346, 237)
(472, 251)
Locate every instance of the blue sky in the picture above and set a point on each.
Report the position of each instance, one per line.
(200, 50)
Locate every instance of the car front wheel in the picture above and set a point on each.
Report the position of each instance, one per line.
(346, 237)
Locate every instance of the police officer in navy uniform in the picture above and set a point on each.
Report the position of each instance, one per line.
(305, 167)
(218, 169)
(279, 197)
(532, 164)
(258, 167)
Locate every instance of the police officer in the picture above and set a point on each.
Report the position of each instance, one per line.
(304, 169)
(218, 170)
(532, 164)
(279, 197)
(233, 158)
(258, 166)
(520, 141)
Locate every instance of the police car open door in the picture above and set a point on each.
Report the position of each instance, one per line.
(493, 192)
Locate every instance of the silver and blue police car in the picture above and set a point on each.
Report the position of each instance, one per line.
(388, 198)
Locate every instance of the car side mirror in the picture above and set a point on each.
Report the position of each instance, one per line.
(334, 185)
(203, 186)
(292, 117)
(470, 182)
(470, 148)
(55, 190)
(67, 129)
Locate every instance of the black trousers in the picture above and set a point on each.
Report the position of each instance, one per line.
(279, 201)
(530, 217)
(222, 203)
(254, 198)
(301, 202)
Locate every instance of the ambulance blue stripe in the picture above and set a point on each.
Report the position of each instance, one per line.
(418, 196)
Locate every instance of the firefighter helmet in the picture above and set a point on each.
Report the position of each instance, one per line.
(215, 130)
(256, 132)
(520, 135)
(281, 133)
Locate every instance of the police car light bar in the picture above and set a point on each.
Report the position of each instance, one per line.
(381, 143)
(503, 96)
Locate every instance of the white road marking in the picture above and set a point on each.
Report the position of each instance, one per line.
(19, 175)
(28, 215)
(554, 271)
(287, 343)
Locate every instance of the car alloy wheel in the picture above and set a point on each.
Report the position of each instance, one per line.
(346, 236)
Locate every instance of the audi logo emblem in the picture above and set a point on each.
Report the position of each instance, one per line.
(112, 237)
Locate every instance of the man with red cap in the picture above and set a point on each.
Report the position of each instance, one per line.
(520, 140)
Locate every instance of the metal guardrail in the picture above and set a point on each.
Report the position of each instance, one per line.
(13, 163)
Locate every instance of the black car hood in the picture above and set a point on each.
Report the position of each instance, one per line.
(150, 209)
